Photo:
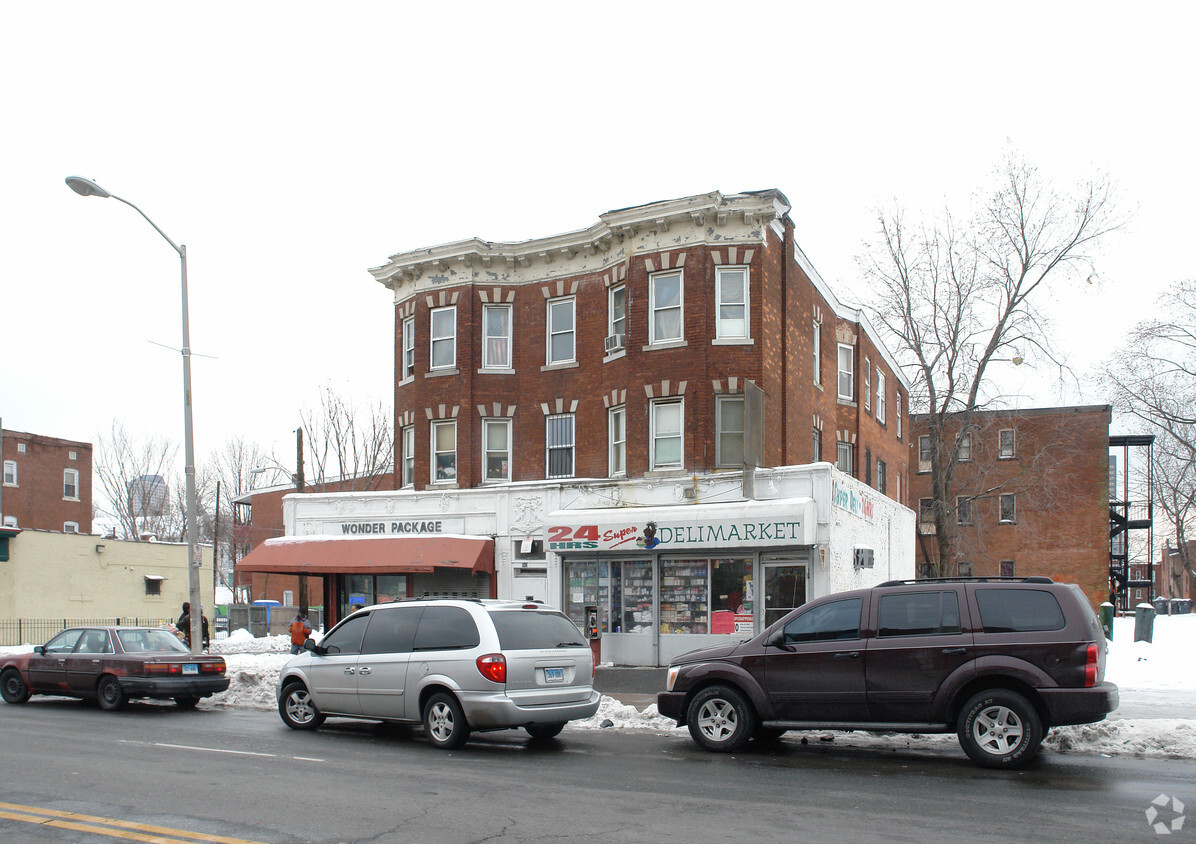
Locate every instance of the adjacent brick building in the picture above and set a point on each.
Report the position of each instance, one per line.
(46, 483)
(1031, 497)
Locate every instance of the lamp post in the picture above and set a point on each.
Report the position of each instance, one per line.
(86, 187)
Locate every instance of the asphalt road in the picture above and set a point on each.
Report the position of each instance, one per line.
(71, 772)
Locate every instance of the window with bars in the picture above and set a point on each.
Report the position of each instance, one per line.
(881, 479)
(1007, 568)
(817, 447)
(560, 445)
(843, 457)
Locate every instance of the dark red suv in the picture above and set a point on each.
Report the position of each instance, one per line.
(997, 660)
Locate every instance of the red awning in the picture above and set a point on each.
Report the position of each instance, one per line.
(380, 555)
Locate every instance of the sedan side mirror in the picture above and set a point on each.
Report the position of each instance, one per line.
(40, 650)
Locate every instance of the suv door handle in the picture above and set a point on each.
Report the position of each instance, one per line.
(954, 651)
(847, 655)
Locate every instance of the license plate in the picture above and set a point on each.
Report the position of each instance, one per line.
(554, 675)
(190, 668)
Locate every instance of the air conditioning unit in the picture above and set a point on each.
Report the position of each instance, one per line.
(926, 528)
(616, 343)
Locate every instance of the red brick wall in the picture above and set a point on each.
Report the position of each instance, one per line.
(37, 501)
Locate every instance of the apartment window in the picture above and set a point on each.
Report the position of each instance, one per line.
(924, 453)
(731, 291)
(444, 338)
(10, 473)
(496, 337)
(153, 585)
(867, 384)
(444, 451)
(897, 486)
(897, 404)
(925, 516)
(408, 349)
(846, 373)
(617, 316)
(560, 442)
(496, 447)
(963, 511)
(1008, 509)
(409, 455)
(816, 455)
(70, 484)
(1008, 445)
(288, 598)
(843, 457)
(665, 298)
(880, 396)
(728, 421)
(965, 569)
(881, 480)
(666, 435)
(20, 448)
(964, 449)
(562, 328)
(72, 455)
(70, 527)
(617, 421)
(817, 339)
(1007, 568)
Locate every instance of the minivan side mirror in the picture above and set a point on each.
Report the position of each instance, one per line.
(310, 644)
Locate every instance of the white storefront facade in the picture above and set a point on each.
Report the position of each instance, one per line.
(670, 564)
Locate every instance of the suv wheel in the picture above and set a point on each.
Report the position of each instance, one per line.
(297, 710)
(999, 729)
(444, 722)
(720, 719)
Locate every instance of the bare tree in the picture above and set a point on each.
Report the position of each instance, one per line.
(231, 467)
(348, 446)
(133, 478)
(955, 298)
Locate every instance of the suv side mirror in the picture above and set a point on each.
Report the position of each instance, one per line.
(776, 639)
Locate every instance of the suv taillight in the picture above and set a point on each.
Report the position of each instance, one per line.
(1090, 667)
(493, 667)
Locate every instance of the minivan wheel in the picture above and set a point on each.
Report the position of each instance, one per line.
(544, 730)
(297, 710)
(444, 722)
(12, 687)
(720, 719)
(999, 729)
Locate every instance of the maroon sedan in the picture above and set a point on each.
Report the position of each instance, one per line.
(111, 665)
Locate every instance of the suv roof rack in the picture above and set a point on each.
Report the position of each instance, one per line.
(993, 579)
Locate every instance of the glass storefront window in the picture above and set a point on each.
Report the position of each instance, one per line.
(634, 600)
(363, 590)
(684, 596)
(732, 596)
(581, 589)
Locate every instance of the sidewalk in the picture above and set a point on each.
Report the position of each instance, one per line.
(633, 686)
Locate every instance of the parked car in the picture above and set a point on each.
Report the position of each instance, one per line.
(111, 665)
(456, 666)
(997, 660)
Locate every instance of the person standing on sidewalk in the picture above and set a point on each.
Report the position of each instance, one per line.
(300, 630)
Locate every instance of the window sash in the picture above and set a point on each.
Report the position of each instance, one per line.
(817, 353)
(846, 373)
(1007, 444)
(964, 450)
(963, 511)
(496, 449)
(667, 298)
(924, 455)
(617, 310)
(496, 337)
(409, 455)
(444, 451)
(867, 384)
(559, 441)
(408, 348)
(880, 396)
(843, 455)
(666, 435)
(733, 307)
(618, 440)
(1008, 508)
(897, 404)
(729, 412)
(881, 480)
(10, 472)
(444, 338)
(70, 483)
(817, 455)
(561, 331)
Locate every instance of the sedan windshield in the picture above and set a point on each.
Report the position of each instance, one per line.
(161, 641)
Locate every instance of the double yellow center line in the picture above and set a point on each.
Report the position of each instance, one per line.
(111, 827)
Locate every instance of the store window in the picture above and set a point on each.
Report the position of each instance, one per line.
(496, 441)
(496, 337)
(684, 596)
(444, 451)
(363, 590)
(731, 596)
(621, 589)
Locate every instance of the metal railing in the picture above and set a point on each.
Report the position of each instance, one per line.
(38, 631)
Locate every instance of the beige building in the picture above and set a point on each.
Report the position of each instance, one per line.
(81, 576)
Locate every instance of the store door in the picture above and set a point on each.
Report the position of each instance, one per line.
(784, 588)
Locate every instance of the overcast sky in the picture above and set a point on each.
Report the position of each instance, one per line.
(292, 146)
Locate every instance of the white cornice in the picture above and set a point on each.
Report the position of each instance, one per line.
(672, 224)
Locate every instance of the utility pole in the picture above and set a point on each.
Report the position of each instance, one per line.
(299, 486)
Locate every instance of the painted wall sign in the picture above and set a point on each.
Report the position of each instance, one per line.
(851, 501)
(665, 536)
(384, 528)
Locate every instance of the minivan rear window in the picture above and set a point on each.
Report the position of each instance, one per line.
(522, 630)
(446, 629)
(1018, 610)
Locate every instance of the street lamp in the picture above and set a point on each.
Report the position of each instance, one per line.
(86, 187)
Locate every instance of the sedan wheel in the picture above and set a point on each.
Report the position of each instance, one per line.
(186, 701)
(999, 729)
(297, 710)
(444, 722)
(12, 687)
(109, 693)
(720, 719)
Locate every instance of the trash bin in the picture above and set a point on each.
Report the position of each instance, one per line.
(1161, 606)
(1106, 619)
(1144, 623)
(1181, 606)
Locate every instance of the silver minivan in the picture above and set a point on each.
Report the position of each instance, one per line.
(456, 666)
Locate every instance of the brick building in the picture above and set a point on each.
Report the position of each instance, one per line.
(46, 483)
(1031, 495)
(671, 381)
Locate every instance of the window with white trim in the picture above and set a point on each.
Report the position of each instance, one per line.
(153, 584)
(846, 372)
(559, 439)
(70, 484)
(70, 527)
(616, 312)
(1008, 509)
(617, 425)
(10, 473)
(72, 455)
(408, 349)
(733, 306)
(817, 340)
(964, 449)
(496, 336)
(880, 395)
(496, 450)
(1007, 448)
(925, 516)
(562, 330)
(444, 452)
(728, 422)
(898, 405)
(665, 297)
(20, 448)
(409, 455)
(867, 384)
(444, 338)
(844, 452)
(665, 434)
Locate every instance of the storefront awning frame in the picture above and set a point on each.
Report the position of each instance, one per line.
(407, 554)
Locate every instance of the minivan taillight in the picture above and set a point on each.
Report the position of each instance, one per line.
(1090, 667)
(493, 667)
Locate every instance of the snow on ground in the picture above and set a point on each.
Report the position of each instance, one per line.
(1164, 670)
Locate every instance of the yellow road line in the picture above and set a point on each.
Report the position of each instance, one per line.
(122, 829)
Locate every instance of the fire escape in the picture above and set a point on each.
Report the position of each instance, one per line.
(1131, 520)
